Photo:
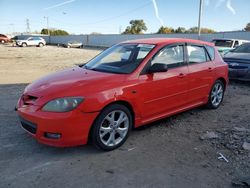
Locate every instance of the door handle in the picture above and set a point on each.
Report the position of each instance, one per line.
(210, 69)
(181, 75)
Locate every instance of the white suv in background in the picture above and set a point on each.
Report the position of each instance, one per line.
(31, 41)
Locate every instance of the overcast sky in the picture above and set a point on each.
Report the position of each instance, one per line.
(111, 16)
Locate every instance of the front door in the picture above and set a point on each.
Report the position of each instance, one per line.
(165, 92)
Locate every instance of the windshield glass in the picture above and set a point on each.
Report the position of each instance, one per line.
(244, 48)
(223, 43)
(121, 59)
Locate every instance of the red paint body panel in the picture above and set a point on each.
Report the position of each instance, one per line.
(151, 96)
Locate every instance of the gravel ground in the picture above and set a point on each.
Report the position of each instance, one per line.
(180, 151)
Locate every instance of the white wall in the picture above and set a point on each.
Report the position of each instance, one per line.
(109, 40)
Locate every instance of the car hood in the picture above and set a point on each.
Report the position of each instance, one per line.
(242, 56)
(75, 81)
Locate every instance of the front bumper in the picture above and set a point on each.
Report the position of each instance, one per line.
(73, 127)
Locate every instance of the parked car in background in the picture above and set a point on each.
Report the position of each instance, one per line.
(225, 45)
(31, 41)
(239, 62)
(4, 39)
(73, 44)
(126, 86)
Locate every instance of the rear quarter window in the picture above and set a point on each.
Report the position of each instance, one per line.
(211, 52)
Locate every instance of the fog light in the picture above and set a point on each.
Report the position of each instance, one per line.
(52, 135)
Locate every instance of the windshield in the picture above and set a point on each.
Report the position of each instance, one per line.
(121, 58)
(244, 48)
(223, 43)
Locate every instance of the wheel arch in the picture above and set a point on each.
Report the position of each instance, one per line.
(223, 81)
(121, 102)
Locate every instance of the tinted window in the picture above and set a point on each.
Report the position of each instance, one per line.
(223, 43)
(196, 54)
(211, 52)
(244, 48)
(172, 56)
(236, 43)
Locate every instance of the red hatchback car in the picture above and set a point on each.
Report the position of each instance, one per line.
(126, 86)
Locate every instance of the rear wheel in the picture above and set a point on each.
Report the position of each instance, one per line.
(24, 44)
(40, 44)
(216, 95)
(112, 127)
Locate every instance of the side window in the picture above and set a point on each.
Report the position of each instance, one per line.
(172, 56)
(211, 52)
(30, 39)
(196, 54)
(236, 43)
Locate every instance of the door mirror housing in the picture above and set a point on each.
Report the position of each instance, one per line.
(158, 67)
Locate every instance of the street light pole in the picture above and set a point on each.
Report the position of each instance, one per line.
(47, 19)
(199, 21)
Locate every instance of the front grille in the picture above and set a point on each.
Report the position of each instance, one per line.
(28, 126)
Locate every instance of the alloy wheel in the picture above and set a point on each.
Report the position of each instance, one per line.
(114, 128)
(217, 94)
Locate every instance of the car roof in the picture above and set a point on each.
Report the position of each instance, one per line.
(158, 41)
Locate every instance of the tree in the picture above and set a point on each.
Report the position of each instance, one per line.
(54, 32)
(44, 31)
(203, 30)
(95, 33)
(247, 28)
(180, 30)
(136, 27)
(165, 30)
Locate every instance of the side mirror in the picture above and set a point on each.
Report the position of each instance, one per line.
(158, 67)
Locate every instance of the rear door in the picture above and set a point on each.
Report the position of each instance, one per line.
(201, 73)
(165, 92)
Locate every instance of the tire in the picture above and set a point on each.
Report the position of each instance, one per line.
(40, 44)
(216, 95)
(107, 133)
(24, 44)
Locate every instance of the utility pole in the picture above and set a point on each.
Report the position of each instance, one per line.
(13, 28)
(27, 25)
(199, 21)
(47, 19)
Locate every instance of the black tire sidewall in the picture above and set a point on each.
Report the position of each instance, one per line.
(97, 124)
(210, 104)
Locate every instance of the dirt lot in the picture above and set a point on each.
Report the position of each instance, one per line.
(174, 152)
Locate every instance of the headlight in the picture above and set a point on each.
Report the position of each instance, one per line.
(62, 104)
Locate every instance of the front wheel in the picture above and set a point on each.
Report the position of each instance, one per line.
(112, 127)
(216, 95)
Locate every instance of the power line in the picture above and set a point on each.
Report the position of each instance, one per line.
(106, 19)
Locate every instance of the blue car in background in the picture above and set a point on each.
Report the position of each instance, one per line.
(238, 61)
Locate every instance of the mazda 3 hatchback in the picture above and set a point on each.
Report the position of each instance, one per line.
(126, 86)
